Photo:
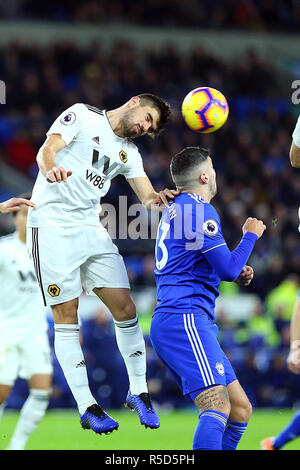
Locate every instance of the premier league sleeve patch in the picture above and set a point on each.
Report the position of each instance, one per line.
(210, 227)
(68, 119)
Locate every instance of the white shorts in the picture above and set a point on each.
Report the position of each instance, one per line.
(70, 259)
(25, 359)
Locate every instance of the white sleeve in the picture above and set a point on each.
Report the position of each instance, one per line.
(135, 167)
(68, 123)
(296, 134)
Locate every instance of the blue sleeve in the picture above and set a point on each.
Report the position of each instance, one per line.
(229, 264)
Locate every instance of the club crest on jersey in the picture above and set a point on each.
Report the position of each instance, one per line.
(53, 290)
(123, 156)
(210, 227)
(220, 368)
(68, 119)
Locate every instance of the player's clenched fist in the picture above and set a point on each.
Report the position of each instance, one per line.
(255, 226)
(57, 174)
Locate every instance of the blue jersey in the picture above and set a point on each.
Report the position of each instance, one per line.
(186, 281)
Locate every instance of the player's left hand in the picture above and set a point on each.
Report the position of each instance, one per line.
(245, 276)
(165, 196)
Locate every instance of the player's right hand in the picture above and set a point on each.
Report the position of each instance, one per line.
(57, 174)
(254, 226)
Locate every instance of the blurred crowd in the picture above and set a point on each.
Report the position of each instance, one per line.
(266, 15)
(250, 155)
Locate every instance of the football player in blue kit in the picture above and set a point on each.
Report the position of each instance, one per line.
(192, 258)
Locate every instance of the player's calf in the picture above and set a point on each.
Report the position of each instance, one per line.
(214, 408)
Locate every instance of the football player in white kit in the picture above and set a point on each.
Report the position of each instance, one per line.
(84, 150)
(292, 430)
(24, 344)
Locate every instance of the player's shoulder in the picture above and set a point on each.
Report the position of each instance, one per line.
(131, 146)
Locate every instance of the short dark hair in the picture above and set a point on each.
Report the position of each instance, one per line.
(188, 158)
(27, 196)
(161, 105)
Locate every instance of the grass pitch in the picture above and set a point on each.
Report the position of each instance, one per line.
(60, 430)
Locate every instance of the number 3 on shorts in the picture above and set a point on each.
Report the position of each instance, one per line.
(163, 229)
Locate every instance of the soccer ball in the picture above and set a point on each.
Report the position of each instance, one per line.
(205, 109)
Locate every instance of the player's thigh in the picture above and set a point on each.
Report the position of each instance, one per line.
(118, 301)
(105, 266)
(214, 398)
(57, 254)
(241, 408)
(188, 344)
(66, 312)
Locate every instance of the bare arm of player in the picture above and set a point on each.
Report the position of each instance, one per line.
(13, 205)
(46, 159)
(148, 196)
(293, 360)
(295, 155)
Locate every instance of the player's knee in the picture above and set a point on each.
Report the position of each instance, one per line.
(65, 313)
(214, 398)
(125, 310)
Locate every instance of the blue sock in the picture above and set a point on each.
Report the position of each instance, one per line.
(289, 433)
(209, 431)
(233, 434)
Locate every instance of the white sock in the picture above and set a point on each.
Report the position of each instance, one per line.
(131, 345)
(70, 356)
(31, 414)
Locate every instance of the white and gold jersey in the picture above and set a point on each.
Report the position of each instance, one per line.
(21, 306)
(95, 155)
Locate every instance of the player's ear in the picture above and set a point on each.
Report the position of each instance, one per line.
(204, 178)
(134, 101)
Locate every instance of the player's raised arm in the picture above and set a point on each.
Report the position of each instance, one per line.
(13, 205)
(295, 147)
(46, 159)
(148, 196)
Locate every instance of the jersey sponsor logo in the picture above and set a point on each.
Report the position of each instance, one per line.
(220, 368)
(210, 227)
(68, 119)
(123, 156)
(95, 179)
(53, 290)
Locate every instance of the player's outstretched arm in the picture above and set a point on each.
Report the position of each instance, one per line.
(46, 159)
(229, 264)
(13, 205)
(295, 147)
(148, 196)
(293, 360)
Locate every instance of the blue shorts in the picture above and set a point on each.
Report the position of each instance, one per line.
(187, 344)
